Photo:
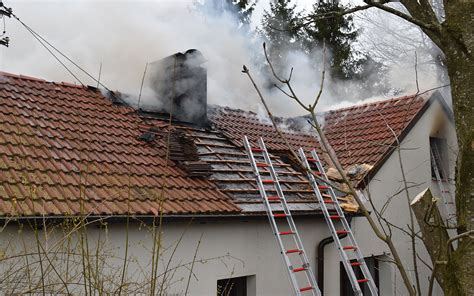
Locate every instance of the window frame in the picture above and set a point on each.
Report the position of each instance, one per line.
(345, 285)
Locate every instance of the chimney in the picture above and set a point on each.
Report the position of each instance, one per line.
(180, 83)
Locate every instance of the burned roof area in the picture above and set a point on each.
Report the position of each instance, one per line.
(67, 150)
(54, 135)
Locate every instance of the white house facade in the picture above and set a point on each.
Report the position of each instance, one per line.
(92, 188)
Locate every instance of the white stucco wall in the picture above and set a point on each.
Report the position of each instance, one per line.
(227, 249)
(388, 184)
(233, 248)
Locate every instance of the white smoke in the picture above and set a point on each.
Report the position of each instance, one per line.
(404, 49)
(124, 36)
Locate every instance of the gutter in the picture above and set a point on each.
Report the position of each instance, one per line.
(320, 256)
(243, 216)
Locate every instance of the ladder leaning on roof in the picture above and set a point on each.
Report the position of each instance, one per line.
(350, 255)
(448, 200)
(288, 255)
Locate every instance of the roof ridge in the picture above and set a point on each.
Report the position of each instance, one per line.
(374, 103)
(352, 107)
(37, 79)
(221, 107)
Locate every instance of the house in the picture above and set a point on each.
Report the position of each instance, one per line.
(86, 181)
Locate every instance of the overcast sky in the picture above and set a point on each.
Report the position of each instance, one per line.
(73, 25)
(125, 35)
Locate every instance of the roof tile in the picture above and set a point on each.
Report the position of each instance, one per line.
(359, 134)
(356, 133)
(66, 149)
(64, 145)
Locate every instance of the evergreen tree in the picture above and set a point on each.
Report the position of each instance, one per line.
(243, 9)
(279, 28)
(345, 63)
(339, 34)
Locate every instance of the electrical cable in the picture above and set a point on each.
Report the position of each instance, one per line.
(38, 36)
(45, 42)
(4, 26)
(59, 61)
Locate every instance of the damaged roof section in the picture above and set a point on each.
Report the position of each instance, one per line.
(235, 124)
(228, 166)
(68, 150)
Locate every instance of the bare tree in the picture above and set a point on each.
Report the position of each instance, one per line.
(379, 224)
(450, 26)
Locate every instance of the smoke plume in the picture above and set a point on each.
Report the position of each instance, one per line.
(124, 36)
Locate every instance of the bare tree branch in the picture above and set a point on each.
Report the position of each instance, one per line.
(332, 155)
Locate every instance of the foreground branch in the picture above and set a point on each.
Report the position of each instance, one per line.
(434, 235)
(280, 134)
(325, 143)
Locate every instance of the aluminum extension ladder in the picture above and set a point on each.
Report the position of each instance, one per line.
(308, 283)
(448, 201)
(348, 253)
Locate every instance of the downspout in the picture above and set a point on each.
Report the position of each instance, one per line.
(320, 256)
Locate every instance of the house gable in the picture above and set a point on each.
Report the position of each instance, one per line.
(434, 98)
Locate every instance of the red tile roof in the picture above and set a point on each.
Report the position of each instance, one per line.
(236, 124)
(364, 133)
(66, 149)
(360, 134)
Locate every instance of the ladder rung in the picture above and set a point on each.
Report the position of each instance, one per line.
(356, 264)
(312, 159)
(349, 248)
(262, 165)
(329, 201)
(323, 187)
(317, 173)
(279, 215)
(273, 198)
(269, 181)
(363, 280)
(306, 289)
(335, 217)
(286, 232)
(299, 269)
(342, 232)
(294, 251)
(257, 150)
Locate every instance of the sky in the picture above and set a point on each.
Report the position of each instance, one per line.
(123, 36)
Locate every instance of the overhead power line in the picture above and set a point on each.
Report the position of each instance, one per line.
(52, 53)
(50, 47)
(4, 12)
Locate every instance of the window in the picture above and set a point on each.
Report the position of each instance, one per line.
(346, 288)
(438, 156)
(232, 286)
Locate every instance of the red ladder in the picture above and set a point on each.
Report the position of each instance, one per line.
(448, 200)
(301, 286)
(326, 195)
